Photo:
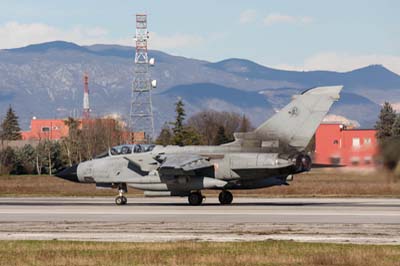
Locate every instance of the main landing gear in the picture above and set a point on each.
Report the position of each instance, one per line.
(121, 199)
(225, 197)
(195, 198)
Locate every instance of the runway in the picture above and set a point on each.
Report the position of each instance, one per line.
(168, 219)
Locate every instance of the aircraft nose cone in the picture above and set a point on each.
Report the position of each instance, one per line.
(69, 173)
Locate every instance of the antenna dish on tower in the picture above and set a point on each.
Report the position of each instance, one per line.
(154, 83)
(152, 61)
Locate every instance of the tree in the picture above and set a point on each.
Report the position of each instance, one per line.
(10, 127)
(385, 123)
(245, 125)
(190, 136)
(25, 160)
(7, 160)
(52, 150)
(389, 151)
(165, 137)
(71, 144)
(388, 134)
(221, 137)
(183, 134)
(41, 157)
(207, 123)
(204, 123)
(396, 127)
(178, 128)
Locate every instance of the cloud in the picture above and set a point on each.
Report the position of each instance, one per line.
(341, 119)
(396, 106)
(344, 62)
(277, 18)
(176, 40)
(248, 16)
(14, 34)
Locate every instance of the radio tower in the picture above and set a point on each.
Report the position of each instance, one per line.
(141, 114)
(86, 108)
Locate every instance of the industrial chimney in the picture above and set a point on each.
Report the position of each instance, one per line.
(86, 107)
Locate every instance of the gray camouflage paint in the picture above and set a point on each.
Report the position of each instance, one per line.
(262, 158)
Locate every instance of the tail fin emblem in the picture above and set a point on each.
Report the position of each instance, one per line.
(294, 111)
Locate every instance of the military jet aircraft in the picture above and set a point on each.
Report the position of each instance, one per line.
(268, 156)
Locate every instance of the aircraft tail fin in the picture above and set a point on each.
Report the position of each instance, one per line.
(297, 122)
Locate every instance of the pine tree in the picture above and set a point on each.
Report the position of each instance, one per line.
(26, 160)
(221, 137)
(178, 129)
(10, 127)
(396, 127)
(180, 115)
(183, 134)
(385, 123)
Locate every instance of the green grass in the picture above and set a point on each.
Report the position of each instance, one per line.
(43, 253)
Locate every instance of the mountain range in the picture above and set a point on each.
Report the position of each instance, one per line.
(45, 80)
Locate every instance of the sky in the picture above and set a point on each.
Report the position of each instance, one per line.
(298, 35)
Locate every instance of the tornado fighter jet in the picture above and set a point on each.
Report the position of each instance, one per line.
(268, 156)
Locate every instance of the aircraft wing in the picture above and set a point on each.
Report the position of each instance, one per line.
(182, 163)
(264, 167)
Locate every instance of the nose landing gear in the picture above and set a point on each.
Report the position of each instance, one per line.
(121, 199)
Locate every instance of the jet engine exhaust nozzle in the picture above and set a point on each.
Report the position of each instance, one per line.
(303, 163)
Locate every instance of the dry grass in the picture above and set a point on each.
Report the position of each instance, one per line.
(27, 185)
(335, 183)
(52, 253)
(318, 183)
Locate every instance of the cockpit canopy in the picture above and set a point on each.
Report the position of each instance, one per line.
(127, 149)
(131, 148)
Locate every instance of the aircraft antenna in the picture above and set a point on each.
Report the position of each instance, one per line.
(141, 113)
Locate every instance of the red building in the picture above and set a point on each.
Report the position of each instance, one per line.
(336, 144)
(51, 129)
(55, 129)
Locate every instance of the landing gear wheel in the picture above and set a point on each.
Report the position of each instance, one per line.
(225, 197)
(195, 198)
(124, 200)
(119, 200)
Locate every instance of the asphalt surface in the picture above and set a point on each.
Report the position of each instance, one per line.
(164, 219)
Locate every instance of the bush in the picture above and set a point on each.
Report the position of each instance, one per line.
(390, 152)
(7, 161)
